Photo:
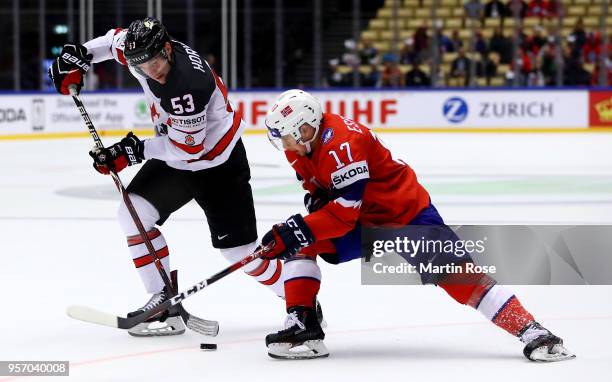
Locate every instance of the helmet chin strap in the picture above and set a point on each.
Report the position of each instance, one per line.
(308, 144)
(308, 148)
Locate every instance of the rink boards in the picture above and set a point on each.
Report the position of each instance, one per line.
(48, 115)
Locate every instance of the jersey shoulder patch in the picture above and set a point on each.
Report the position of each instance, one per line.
(327, 135)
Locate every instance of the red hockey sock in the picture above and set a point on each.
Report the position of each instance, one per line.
(513, 317)
(496, 302)
(301, 292)
(302, 282)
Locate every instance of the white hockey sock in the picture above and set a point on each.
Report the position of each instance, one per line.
(503, 308)
(267, 272)
(144, 262)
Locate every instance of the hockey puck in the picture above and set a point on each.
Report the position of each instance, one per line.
(208, 346)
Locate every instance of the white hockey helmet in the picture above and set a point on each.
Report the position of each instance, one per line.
(290, 111)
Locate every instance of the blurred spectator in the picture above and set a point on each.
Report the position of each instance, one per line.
(495, 9)
(577, 38)
(592, 47)
(522, 38)
(368, 54)
(555, 8)
(607, 69)
(547, 62)
(574, 73)
(473, 9)
(538, 8)
(460, 67)
(456, 41)
(391, 75)
(407, 53)
(421, 42)
(517, 8)
(487, 68)
(350, 56)
(416, 77)
(444, 42)
(525, 65)
(440, 78)
(509, 78)
(480, 45)
(536, 41)
(371, 79)
(501, 45)
(334, 77)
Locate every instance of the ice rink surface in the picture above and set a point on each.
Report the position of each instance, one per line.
(62, 245)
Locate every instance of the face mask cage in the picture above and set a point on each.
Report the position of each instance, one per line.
(276, 139)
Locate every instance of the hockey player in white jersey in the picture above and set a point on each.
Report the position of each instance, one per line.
(197, 153)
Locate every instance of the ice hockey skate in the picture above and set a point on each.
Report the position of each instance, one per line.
(543, 346)
(167, 323)
(302, 337)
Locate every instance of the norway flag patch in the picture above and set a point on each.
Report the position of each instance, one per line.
(286, 111)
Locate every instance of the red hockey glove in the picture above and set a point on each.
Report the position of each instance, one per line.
(70, 67)
(286, 239)
(129, 151)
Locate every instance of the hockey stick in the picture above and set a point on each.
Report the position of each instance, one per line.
(199, 325)
(94, 316)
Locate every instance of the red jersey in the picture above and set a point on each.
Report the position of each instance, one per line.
(366, 184)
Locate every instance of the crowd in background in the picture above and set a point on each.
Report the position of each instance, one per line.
(542, 59)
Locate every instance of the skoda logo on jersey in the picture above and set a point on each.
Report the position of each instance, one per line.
(327, 135)
(455, 110)
(189, 140)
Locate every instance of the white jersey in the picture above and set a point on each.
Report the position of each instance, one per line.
(199, 126)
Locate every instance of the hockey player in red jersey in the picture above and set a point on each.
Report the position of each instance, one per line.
(197, 154)
(352, 180)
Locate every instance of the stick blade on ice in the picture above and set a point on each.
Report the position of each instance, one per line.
(84, 313)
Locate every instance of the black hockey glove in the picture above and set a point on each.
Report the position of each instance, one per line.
(127, 152)
(70, 67)
(315, 201)
(286, 239)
